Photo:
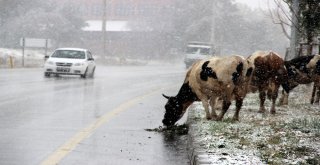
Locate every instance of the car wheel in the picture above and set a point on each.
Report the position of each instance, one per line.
(84, 75)
(46, 74)
(92, 73)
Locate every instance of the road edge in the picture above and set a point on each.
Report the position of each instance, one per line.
(196, 154)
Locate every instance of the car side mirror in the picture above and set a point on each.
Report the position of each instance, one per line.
(90, 59)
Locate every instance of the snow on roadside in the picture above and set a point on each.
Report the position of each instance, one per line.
(291, 136)
(32, 58)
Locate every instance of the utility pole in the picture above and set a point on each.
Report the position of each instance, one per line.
(104, 25)
(213, 23)
(213, 20)
(294, 41)
(23, 43)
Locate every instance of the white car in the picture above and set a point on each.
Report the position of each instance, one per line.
(70, 61)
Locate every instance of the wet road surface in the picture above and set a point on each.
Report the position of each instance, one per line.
(69, 120)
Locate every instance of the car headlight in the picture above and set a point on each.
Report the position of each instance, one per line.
(50, 62)
(79, 64)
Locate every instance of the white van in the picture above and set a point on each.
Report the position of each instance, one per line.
(197, 51)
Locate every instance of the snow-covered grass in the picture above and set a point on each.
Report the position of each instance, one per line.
(291, 136)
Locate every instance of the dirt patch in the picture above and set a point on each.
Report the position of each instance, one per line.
(176, 129)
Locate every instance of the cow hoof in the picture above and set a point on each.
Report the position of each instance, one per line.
(314, 102)
(208, 118)
(282, 103)
(218, 119)
(261, 110)
(214, 117)
(235, 119)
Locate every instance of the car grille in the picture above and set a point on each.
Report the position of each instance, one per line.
(63, 64)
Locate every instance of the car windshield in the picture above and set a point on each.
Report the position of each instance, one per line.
(69, 54)
(192, 50)
(203, 51)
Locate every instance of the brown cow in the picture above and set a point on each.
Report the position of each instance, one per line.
(303, 70)
(268, 74)
(218, 77)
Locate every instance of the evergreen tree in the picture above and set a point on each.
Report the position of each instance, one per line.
(38, 19)
(308, 19)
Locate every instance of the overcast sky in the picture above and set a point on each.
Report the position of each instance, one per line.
(257, 3)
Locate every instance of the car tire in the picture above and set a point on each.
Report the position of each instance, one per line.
(84, 75)
(46, 74)
(92, 73)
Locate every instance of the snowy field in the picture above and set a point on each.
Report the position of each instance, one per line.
(292, 136)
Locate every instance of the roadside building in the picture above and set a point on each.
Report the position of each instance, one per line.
(127, 34)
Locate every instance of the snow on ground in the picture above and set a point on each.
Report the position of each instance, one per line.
(35, 58)
(291, 136)
(32, 58)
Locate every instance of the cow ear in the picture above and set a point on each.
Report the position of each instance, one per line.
(167, 97)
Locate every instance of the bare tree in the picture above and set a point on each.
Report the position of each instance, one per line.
(289, 22)
(281, 17)
(304, 22)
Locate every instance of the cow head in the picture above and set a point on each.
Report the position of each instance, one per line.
(174, 111)
(296, 75)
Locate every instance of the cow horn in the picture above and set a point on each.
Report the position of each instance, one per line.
(167, 97)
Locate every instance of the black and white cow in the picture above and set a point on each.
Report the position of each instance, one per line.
(219, 77)
(303, 70)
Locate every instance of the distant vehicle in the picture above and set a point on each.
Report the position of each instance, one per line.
(197, 51)
(70, 61)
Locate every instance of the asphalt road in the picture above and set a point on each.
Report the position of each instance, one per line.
(68, 120)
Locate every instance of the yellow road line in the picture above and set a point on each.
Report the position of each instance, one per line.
(72, 143)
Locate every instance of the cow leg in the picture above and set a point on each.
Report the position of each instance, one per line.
(205, 104)
(225, 107)
(238, 107)
(313, 93)
(281, 99)
(274, 97)
(317, 95)
(284, 98)
(213, 101)
(262, 96)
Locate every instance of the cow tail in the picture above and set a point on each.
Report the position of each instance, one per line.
(284, 79)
